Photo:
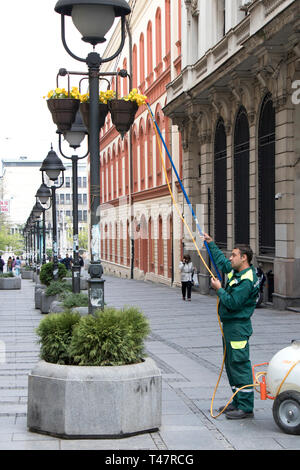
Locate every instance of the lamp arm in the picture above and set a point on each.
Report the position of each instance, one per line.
(60, 149)
(108, 59)
(63, 38)
(62, 183)
(65, 156)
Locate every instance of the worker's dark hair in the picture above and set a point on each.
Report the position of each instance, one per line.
(187, 258)
(245, 250)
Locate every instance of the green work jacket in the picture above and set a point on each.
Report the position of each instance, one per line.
(238, 298)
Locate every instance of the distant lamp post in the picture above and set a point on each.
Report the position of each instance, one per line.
(36, 213)
(93, 19)
(53, 166)
(74, 137)
(43, 194)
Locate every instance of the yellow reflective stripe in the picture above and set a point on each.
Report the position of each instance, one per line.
(247, 275)
(234, 281)
(230, 275)
(238, 344)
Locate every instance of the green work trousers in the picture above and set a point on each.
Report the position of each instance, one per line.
(239, 372)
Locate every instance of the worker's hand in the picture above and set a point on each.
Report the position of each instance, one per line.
(215, 284)
(207, 238)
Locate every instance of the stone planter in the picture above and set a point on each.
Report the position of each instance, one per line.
(56, 307)
(46, 301)
(27, 274)
(7, 283)
(38, 290)
(83, 282)
(94, 402)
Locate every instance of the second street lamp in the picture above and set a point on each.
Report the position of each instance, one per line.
(74, 137)
(43, 194)
(52, 166)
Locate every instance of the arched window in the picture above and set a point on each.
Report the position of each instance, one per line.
(134, 161)
(128, 243)
(114, 172)
(158, 156)
(150, 152)
(149, 52)
(121, 244)
(241, 178)
(158, 36)
(151, 246)
(142, 153)
(110, 236)
(266, 176)
(116, 242)
(168, 26)
(134, 67)
(220, 185)
(142, 59)
(170, 245)
(160, 246)
(144, 244)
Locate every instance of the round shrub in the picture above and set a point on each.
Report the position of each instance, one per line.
(46, 273)
(55, 332)
(110, 338)
(57, 287)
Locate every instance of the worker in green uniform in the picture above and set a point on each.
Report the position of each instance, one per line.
(237, 302)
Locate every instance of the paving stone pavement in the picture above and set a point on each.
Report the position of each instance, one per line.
(185, 342)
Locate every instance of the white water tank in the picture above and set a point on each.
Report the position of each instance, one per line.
(279, 366)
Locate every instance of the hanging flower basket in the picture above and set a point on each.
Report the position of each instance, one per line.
(85, 113)
(122, 114)
(63, 112)
(63, 106)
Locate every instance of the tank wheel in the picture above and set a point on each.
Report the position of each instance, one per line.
(286, 411)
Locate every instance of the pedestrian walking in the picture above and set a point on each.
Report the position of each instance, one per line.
(187, 270)
(9, 264)
(17, 266)
(67, 261)
(2, 263)
(237, 302)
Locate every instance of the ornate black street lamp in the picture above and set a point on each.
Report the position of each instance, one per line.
(52, 166)
(36, 213)
(43, 194)
(93, 19)
(74, 137)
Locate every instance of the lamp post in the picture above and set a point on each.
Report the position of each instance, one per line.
(93, 19)
(74, 137)
(52, 165)
(36, 213)
(43, 194)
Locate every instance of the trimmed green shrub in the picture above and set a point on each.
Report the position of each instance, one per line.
(9, 274)
(57, 287)
(55, 332)
(71, 300)
(46, 273)
(110, 338)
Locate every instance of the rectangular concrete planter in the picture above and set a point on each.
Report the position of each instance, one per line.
(46, 301)
(27, 274)
(7, 283)
(94, 402)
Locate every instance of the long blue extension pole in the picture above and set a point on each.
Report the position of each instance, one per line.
(185, 194)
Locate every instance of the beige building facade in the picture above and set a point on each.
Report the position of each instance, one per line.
(236, 103)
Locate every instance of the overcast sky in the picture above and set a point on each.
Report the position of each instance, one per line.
(31, 55)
